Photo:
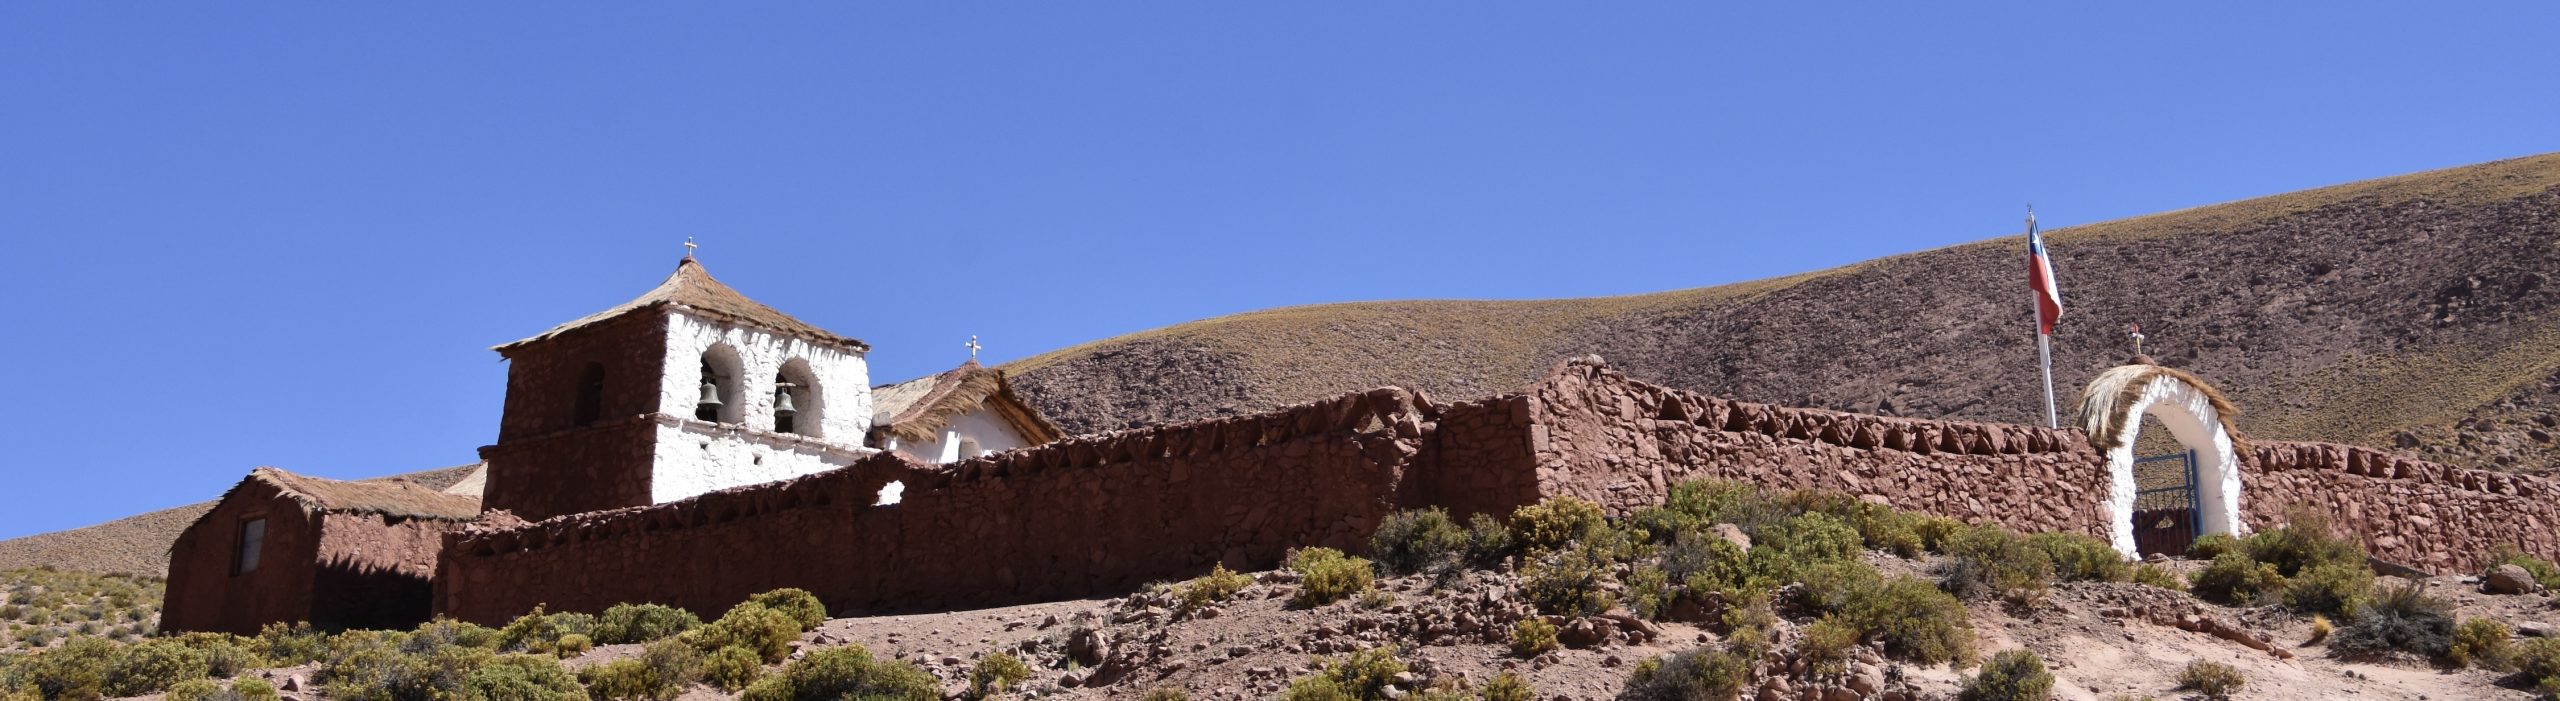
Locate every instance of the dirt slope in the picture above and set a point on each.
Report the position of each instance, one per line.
(2414, 311)
(140, 544)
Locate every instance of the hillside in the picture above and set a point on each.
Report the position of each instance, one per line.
(2413, 312)
(139, 544)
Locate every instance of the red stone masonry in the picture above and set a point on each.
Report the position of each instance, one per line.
(2431, 516)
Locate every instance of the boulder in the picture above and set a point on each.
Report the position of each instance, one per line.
(1733, 534)
(2510, 579)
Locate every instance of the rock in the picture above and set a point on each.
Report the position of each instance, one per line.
(1049, 622)
(293, 683)
(1239, 651)
(1088, 646)
(2510, 579)
(1585, 632)
(1733, 534)
(2534, 629)
(1865, 680)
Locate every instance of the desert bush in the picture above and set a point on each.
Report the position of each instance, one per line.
(1325, 575)
(2482, 643)
(522, 678)
(1835, 586)
(1533, 636)
(995, 674)
(290, 645)
(2080, 558)
(1361, 676)
(2306, 541)
(848, 672)
(2011, 675)
(225, 655)
(1412, 541)
(446, 631)
(1987, 561)
(1935, 531)
(1827, 644)
(2234, 578)
(2207, 547)
(1488, 540)
(1218, 585)
(802, 606)
(75, 671)
(750, 625)
(152, 666)
(1809, 537)
(2542, 570)
(254, 689)
(1568, 583)
(1712, 501)
(573, 645)
(641, 623)
(1693, 554)
(1750, 626)
(376, 666)
(540, 632)
(1915, 621)
(2214, 680)
(2539, 661)
(196, 690)
(1699, 674)
(1507, 686)
(1648, 591)
(629, 680)
(2329, 588)
(2398, 619)
(1555, 523)
(732, 668)
(2156, 576)
(2321, 628)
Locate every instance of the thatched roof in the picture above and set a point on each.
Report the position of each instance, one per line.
(2106, 407)
(917, 410)
(692, 287)
(394, 497)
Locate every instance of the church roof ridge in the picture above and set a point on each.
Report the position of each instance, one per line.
(396, 497)
(693, 288)
(918, 409)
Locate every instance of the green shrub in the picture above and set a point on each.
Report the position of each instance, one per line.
(1915, 621)
(1412, 541)
(74, 671)
(291, 645)
(1363, 675)
(225, 655)
(377, 666)
(2306, 541)
(1166, 693)
(629, 680)
(2207, 547)
(2011, 675)
(2080, 558)
(1935, 531)
(995, 674)
(2505, 554)
(847, 672)
(2234, 578)
(573, 645)
(1827, 644)
(750, 625)
(732, 668)
(196, 690)
(537, 631)
(1700, 674)
(1325, 575)
(1555, 523)
(2398, 619)
(254, 689)
(1649, 591)
(2156, 576)
(150, 667)
(522, 678)
(1835, 586)
(2482, 643)
(799, 604)
(2539, 659)
(1712, 501)
(1218, 585)
(2329, 588)
(1808, 538)
(446, 631)
(1718, 563)
(1987, 561)
(1488, 540)
(641, 623)
(1533, 636)
(2215, 680)
(1568, 583)
(1507, 686)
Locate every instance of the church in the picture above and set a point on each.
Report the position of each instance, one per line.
(687, 389)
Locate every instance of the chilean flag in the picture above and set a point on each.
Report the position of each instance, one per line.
(2040, 277)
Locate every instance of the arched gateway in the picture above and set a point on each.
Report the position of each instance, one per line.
(2111, 412)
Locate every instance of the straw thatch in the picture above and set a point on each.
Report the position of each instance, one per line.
(2106, 407)
(918, 410)
(692, 287)
(397, 497)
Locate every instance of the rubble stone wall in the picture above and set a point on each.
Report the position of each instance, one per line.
(2426, 515)
(203, 594)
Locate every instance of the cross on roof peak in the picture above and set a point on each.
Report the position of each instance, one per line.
(973, 347)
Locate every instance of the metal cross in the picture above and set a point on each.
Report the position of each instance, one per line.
(973, 347)
(2135, 332)
(688, 247)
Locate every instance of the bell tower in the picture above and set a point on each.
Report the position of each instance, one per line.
(689, 388)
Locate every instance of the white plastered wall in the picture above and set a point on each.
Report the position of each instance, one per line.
(2190, 417)
(693, 457)
(992, 432)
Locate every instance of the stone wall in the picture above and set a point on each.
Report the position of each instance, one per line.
(1622, 443)
(544, 463)
(605, 466)
(375, 571)
(1081, 516)
(204, 595)
(2427, 515)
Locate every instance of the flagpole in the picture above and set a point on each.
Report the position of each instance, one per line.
(2044, 354)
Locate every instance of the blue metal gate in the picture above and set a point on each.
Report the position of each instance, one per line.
(2167, 513)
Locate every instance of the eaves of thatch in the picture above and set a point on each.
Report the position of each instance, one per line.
(918, 410)
(693, 288)
(390, 498)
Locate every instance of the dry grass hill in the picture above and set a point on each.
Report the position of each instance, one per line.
(2414, 311)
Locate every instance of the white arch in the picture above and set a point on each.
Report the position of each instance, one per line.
(2111, 412)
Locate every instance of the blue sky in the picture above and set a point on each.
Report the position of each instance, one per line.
(286, 234)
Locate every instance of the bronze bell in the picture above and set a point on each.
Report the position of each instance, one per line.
(782, 403)
(710, 394)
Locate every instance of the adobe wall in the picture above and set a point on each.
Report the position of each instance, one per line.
(1081, 516)
(1622, 443)
(544, 464)
(605, 466)
(203, 595)
(375, 571)
(2431, 516)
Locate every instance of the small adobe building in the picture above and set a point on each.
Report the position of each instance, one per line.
(966, 412)
(282, 547)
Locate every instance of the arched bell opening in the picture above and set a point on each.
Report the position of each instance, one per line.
(717, 397)
(798, 406)
(2114, 410)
